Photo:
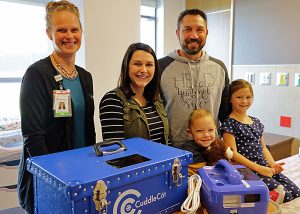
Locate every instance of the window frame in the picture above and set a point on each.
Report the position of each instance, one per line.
(153, 4)
(8, 79)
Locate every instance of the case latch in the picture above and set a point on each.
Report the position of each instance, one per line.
(176, 174)
(99, 196)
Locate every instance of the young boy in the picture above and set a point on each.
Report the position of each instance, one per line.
(206, 148)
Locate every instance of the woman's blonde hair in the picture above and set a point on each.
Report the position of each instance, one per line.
(200, 113)
(62, 5)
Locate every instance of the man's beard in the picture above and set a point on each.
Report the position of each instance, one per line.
(192, 51)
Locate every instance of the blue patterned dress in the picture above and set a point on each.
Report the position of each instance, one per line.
(248, 143)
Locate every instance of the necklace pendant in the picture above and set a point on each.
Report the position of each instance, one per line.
(64, 72)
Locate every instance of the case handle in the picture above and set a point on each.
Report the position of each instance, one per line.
(99, 152)
(233, 176)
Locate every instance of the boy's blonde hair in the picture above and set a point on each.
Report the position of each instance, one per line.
(62, 5)
(200, 113)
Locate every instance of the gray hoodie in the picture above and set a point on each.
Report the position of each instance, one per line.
(187, 85)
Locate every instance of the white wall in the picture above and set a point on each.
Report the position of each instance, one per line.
(273, 53)
(172, 8)
(110, 27)
(273, 101)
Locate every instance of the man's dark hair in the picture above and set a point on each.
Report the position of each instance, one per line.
(151, 91)
(193, 12)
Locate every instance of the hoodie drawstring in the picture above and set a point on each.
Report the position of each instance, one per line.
(197, 82)
(197, 92)
(191, 72)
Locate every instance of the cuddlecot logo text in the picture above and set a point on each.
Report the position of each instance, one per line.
(130, 202)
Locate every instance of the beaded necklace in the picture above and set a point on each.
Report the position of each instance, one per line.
(63, 71)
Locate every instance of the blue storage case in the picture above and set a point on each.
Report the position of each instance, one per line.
(232, 189)
(148, 177)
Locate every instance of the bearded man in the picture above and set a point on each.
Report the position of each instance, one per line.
(191, 79)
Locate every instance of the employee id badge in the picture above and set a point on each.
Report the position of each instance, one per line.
(62, 103)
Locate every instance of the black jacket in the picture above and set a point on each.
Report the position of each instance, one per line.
(42, 132)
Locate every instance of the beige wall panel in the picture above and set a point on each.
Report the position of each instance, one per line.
(209, 5)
